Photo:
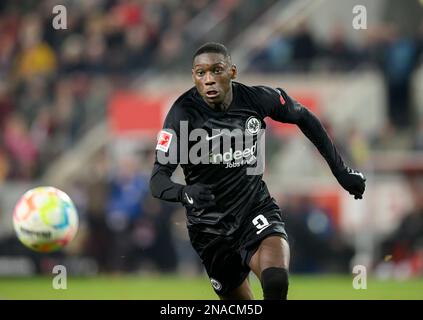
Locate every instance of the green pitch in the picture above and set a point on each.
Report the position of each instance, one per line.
(174, 287)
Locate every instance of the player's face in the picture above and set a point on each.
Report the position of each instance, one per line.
(212, 74)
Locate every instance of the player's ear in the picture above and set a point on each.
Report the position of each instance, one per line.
(234, 72)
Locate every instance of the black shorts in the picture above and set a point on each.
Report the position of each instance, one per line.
(226, 258)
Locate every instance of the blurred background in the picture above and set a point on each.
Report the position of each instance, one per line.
(80, 109)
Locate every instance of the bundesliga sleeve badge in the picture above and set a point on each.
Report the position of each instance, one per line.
(163, 141)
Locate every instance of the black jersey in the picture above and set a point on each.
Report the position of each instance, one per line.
(229, 168)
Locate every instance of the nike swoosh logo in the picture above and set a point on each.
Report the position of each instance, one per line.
(212, 137)
(358, 174)
(190, 200)
(264, 228)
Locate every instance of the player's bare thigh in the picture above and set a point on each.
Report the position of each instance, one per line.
(243, 292)
(273, 251)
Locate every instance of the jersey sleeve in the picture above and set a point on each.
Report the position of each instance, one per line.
(279, 106)
(276, 104)
(167, 160)
(168, 139)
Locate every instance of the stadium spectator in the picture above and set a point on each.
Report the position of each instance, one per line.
(339, 54)
(404, 246)
(152, 236)
(96, 186)
(128, 190)
(398, 65)
(4, 165)
(36, 57)
(317, 245)
(22, 150)
(304, 49)
(7, 104)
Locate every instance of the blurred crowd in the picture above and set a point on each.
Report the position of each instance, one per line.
(55, 85)
(386, 48)
(400, 254)
(126, 229)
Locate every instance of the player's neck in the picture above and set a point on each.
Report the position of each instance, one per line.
(226, 102)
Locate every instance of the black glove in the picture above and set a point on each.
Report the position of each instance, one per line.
(198, 196)
(353, 181)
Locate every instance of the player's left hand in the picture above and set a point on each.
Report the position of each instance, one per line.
(353, 181)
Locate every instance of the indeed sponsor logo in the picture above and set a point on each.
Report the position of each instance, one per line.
(237, 155)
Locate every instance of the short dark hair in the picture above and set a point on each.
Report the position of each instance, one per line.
(212, 47)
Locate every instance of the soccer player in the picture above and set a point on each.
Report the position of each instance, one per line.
(233, 222)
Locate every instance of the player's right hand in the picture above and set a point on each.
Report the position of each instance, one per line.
(198, 196)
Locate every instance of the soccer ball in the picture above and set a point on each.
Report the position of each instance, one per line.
(45, 219)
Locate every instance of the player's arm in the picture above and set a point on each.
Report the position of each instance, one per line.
(161, 184)
(198, 196)
(287, 110)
